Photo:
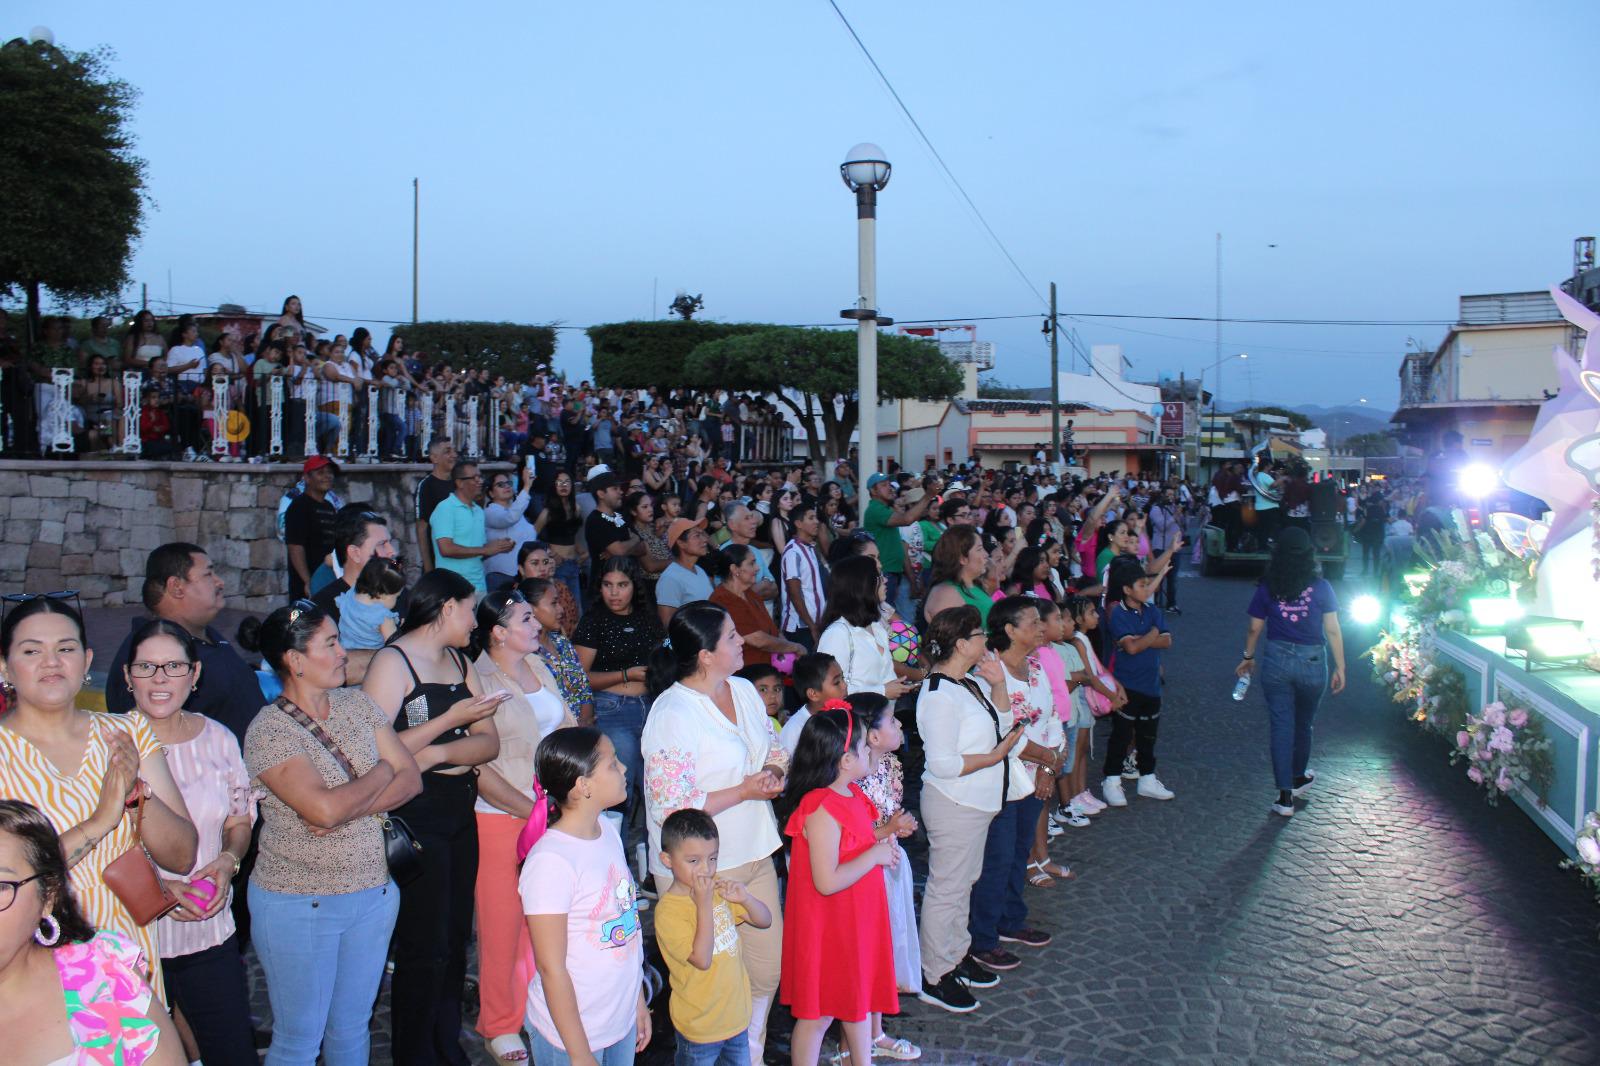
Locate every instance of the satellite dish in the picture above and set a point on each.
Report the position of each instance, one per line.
(41, 35)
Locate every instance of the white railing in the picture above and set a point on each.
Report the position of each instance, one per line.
(341, 402)
(450, 420)
(472, 449)
(424, 423)
(492, 441)
(308, 394)
(374, 412)
(275, 415)
(132, 389)
(59, 410)
(221, 407)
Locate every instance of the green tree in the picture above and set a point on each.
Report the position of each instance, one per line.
(507, 348)
(1376, 443)
(74, 193)
(1296, 419)
(652, 353)
(820, 366)
(992, 388)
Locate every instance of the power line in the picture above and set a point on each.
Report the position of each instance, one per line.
(928, 141)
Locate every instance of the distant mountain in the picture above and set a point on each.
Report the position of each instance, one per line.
(1346, 420)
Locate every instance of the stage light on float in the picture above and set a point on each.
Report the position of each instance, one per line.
(1493, 612)
(1401, 619)
(1478, 480)
(1548, 640)
(1416, 581)
(1365, 610)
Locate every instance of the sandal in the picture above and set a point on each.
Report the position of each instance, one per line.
(507, 1048)
(889, 1047)
(1040, 877)
(1059, 872)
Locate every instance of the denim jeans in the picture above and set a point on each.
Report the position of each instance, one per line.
(1293, 677)
(734, 1051)
(898, 595)
(323, 959)
(618, 1054)
(567, 574)
(622, 719)
(997, 897)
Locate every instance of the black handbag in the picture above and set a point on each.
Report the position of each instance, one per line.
(400, 847)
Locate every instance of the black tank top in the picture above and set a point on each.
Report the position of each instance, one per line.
(428, 700)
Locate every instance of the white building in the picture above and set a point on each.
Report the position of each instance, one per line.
(1110, 388)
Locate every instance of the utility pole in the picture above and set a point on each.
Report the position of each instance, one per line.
(416, 215)
(1183, 441)
(1055, 384)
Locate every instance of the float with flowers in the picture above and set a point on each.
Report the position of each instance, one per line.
(1493, 646)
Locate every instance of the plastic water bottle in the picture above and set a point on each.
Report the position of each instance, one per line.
(1240, 687)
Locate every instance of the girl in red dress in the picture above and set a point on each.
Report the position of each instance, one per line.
(838, 961)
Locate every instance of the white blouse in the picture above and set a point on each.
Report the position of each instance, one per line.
(863, 655)
(1032, 702)
(954, 723)
(691, 750)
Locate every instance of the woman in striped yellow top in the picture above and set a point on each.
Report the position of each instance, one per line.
(83, 768)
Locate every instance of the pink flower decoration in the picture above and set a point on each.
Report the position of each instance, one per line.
(1502, 782)
(1518, 718)
(1475, 774)
(1463, 739)
(1495, 714)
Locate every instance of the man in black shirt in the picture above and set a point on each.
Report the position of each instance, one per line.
(308, 525)
(605, 530)
(181, 586)
(430, 493)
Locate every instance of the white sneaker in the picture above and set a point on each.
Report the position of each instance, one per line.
(1053, 829)
(1112, 790)
(1150, 787)
(1088, 802)
(1130, 768)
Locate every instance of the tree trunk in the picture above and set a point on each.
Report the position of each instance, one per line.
(30, 327)
(810, 423)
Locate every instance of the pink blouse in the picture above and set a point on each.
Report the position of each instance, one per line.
(211, 776)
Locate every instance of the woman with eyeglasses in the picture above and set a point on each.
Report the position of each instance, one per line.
(506, 640)
(200, 955)
(444, 717)
(504, 519)
(559, 526)
(322, 905)
(72, 995)
(614, 641)
(83, 769)
(968, 744)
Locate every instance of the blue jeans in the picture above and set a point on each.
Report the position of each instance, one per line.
(898, 595)
(734, 1051)
(618, 1054)
(622, 719)
(323, 959)
(997, 897)
(1293, 677)
(567, 574)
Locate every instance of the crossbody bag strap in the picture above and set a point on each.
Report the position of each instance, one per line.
(315, 728)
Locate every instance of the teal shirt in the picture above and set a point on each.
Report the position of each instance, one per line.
(462, 524)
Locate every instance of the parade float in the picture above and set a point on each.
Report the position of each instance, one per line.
(1494, 648)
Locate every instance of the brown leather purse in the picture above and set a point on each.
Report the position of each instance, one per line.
(134, 878)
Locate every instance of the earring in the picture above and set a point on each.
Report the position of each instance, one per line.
(86, 678)
(299, 673)
(130, 686)
(44, 939)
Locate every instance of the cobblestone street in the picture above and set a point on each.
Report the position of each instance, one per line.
(1396, 918)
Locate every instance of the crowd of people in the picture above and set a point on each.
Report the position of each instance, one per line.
(614, 690)
(179, 370)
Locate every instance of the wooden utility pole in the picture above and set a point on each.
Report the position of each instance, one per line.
(416, 194)
(1055, 383)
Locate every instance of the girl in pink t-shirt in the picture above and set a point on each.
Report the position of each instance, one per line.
(586, 997)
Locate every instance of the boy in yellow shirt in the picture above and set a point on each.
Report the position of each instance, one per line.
(696, 929)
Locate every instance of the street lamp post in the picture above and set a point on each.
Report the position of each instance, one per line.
(865, 171)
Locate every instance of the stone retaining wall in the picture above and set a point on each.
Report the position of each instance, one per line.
(90, 526)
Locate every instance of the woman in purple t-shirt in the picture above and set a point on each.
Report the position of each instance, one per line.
(1300, 614)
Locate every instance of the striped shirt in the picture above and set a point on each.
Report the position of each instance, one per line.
(68, 800)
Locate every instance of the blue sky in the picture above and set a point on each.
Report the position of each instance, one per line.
(572, 156)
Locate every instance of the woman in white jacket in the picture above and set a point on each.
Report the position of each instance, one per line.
(505, 516)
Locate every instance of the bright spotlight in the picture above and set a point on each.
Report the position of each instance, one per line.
(1366, 610)
(1479, 479)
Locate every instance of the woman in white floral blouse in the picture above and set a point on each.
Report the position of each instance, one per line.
(708, 744)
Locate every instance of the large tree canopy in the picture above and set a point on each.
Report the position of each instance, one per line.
(506, 348)
(652, 354)
(72, 203)
(813, 373)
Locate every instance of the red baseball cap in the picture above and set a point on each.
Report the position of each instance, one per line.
(317, 462)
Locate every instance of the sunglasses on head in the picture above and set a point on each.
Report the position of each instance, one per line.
(17, 599)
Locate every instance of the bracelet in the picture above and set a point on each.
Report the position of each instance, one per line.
(235, 858)
(1247, 658)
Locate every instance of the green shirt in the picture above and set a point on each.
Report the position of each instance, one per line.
(891, 549)
(463, 524)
